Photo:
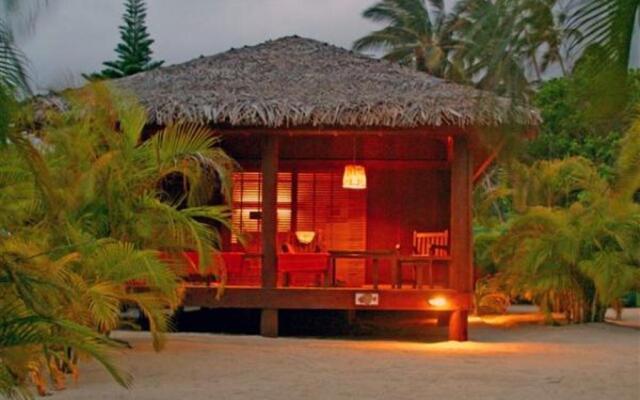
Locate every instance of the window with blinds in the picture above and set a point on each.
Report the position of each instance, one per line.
(337, 215)
(320, 204)
(246, 214)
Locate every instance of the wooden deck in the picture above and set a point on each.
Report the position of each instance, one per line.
(325, 298)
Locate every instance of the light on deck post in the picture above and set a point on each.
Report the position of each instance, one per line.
(354, 176)
(438, 302)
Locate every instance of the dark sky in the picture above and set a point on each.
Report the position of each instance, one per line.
(75, 36)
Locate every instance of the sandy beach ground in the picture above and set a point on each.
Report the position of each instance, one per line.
(522, 361)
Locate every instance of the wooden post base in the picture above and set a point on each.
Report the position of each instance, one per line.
(351, 317)
(458, 326)
(444, 318)
(269, 322)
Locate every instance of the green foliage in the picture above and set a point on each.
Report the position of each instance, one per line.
(134, 50)
(13, 76)
(571, 241)
(575, 125)
(492, 53)
(7, 109)
(417, 34)
(82, 219)
(491, 296)
(609, 24)
(35, 334)
(493, 44)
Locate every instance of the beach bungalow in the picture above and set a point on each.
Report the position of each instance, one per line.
(355, 187)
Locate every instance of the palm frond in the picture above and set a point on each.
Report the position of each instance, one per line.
(606, 23)
(12, 63)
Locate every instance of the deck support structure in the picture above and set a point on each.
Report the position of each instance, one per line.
(270, 155)
(461, 267)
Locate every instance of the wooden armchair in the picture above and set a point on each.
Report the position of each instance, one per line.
(425, 246)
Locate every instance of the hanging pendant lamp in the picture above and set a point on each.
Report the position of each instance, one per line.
(354, 176)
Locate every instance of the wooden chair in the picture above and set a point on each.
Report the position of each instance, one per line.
(431, 243)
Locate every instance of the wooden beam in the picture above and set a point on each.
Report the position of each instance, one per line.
(269, 210)
(427, 131)
(487, 162)
(323, 298)
(304, 165)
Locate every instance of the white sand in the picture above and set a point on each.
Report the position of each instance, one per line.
(596, 361)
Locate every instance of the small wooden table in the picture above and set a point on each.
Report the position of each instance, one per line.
(419, 261)
(374, 255)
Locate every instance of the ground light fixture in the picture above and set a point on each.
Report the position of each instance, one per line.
(354, 176)
(438, 301)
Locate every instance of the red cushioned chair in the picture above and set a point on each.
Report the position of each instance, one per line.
(315, 264)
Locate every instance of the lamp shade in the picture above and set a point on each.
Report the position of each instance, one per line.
(354, 177)
(305, 237)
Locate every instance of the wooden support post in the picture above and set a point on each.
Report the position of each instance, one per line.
(375, 273)
(351, 317)
(458, 326)
(269, 211)
(269, 317)
(419, 275)
(269, 322)
(461, 266)
(443, 318)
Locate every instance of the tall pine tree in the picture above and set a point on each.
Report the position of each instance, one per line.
(134, 50)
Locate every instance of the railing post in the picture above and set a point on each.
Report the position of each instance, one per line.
(270, 154)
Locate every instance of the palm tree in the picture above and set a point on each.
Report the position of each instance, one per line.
(604, 31)
(416, 34)
(13, 75)
(13, 78)
(610, 24)
(497, 41)
(545, 34)
(17, 16)
(506, 45)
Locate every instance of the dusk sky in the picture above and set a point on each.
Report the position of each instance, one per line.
(75, 36)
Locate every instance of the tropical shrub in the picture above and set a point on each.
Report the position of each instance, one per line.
(572, 241)
(85, 213)
(490, 296)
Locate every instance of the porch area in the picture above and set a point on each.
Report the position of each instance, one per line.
(301, 239)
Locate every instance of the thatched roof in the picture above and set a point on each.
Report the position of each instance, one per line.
(298, 82)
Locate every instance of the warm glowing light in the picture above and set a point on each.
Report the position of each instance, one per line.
(354, 177)
(305, 237)
(438, 301)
